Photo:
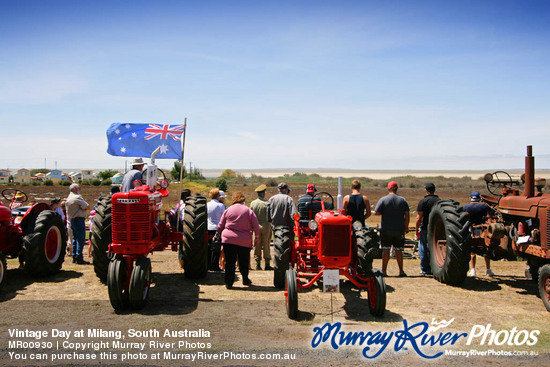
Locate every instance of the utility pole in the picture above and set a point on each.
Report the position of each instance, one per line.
(190, 171)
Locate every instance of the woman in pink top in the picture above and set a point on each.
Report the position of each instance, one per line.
(236, 226)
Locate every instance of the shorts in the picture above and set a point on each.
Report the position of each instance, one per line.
(392, 238)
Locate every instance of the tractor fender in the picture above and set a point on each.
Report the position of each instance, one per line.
(27, 223)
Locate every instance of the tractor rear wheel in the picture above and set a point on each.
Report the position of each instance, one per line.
(377, 295)
(101, 238)
(195, 246)
(281, 255)
(117, 278)
(291, 293)
(544, 285)
(45, 246)
(3, 268)
(140, 282)
(367, 246)
(448, 235)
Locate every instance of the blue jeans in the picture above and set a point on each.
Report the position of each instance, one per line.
(423, 252)
(78, 225)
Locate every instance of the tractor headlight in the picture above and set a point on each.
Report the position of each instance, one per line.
(357, 225)
(312, 225)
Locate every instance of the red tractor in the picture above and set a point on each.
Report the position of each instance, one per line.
(35, 234)
(128, 226)
(328, 242)
(519, 225)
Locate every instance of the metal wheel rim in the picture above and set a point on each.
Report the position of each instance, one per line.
(439, 249)
(147, 284)
(546, 288)
(52, 247)
(1, 271)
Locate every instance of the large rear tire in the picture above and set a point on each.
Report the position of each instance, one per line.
(281, 254)
(377, 296)
(195, 246)
(101, 238)
(140, 283)
(448, 235)
(116, 279)
(45, 246)
(3, 268)
(291, 287)
(368, 246)
(544, 285)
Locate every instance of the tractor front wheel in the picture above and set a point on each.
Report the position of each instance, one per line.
(448, 235)
(101, 238)
(377, 295)
(195, 246)
(3, 268)
(544, 285)
(45, 246)
(281, 255)
(117, 283)
(291, 293)
(140, 282)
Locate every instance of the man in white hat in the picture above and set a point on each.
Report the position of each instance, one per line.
(132, 175)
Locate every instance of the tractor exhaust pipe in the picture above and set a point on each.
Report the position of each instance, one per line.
(529, 173)
(339, 198)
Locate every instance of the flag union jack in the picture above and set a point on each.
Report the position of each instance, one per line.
(140, 140)
(164, 131)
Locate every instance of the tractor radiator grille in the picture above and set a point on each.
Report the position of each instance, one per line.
(130, 223)
(547, 231)
(336, 241)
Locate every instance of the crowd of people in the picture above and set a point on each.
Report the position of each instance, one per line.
(235, 230)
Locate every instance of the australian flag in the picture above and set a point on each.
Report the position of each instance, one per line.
(140, 140)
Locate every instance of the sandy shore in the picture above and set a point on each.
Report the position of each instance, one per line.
(374, 174)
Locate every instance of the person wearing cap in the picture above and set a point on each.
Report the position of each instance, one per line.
(356, 204)
(281, 208)
(259, 207)
(54, 204)
(422, 217)
(478, 211)
(132, 175)
(215, 209)
(76, 214)
(394, 210)
(310, 204)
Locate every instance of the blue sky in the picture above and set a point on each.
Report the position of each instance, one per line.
(265, 84)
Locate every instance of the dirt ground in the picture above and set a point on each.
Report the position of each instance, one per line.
(252, 320)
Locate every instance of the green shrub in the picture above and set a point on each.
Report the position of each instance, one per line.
(221, 184)
(48, 183)
(96, 182)
(107, 182)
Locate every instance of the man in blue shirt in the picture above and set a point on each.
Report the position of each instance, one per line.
(132, 175)
(394, 210)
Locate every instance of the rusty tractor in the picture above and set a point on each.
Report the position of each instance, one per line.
(128, 226)
(35, 234)
(329, 241)
(517, 225)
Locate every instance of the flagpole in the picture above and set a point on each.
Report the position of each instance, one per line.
(181, 169)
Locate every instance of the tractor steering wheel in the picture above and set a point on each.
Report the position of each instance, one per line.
(160, 177)
(326, 197)
(498, 180)
(11, 198)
